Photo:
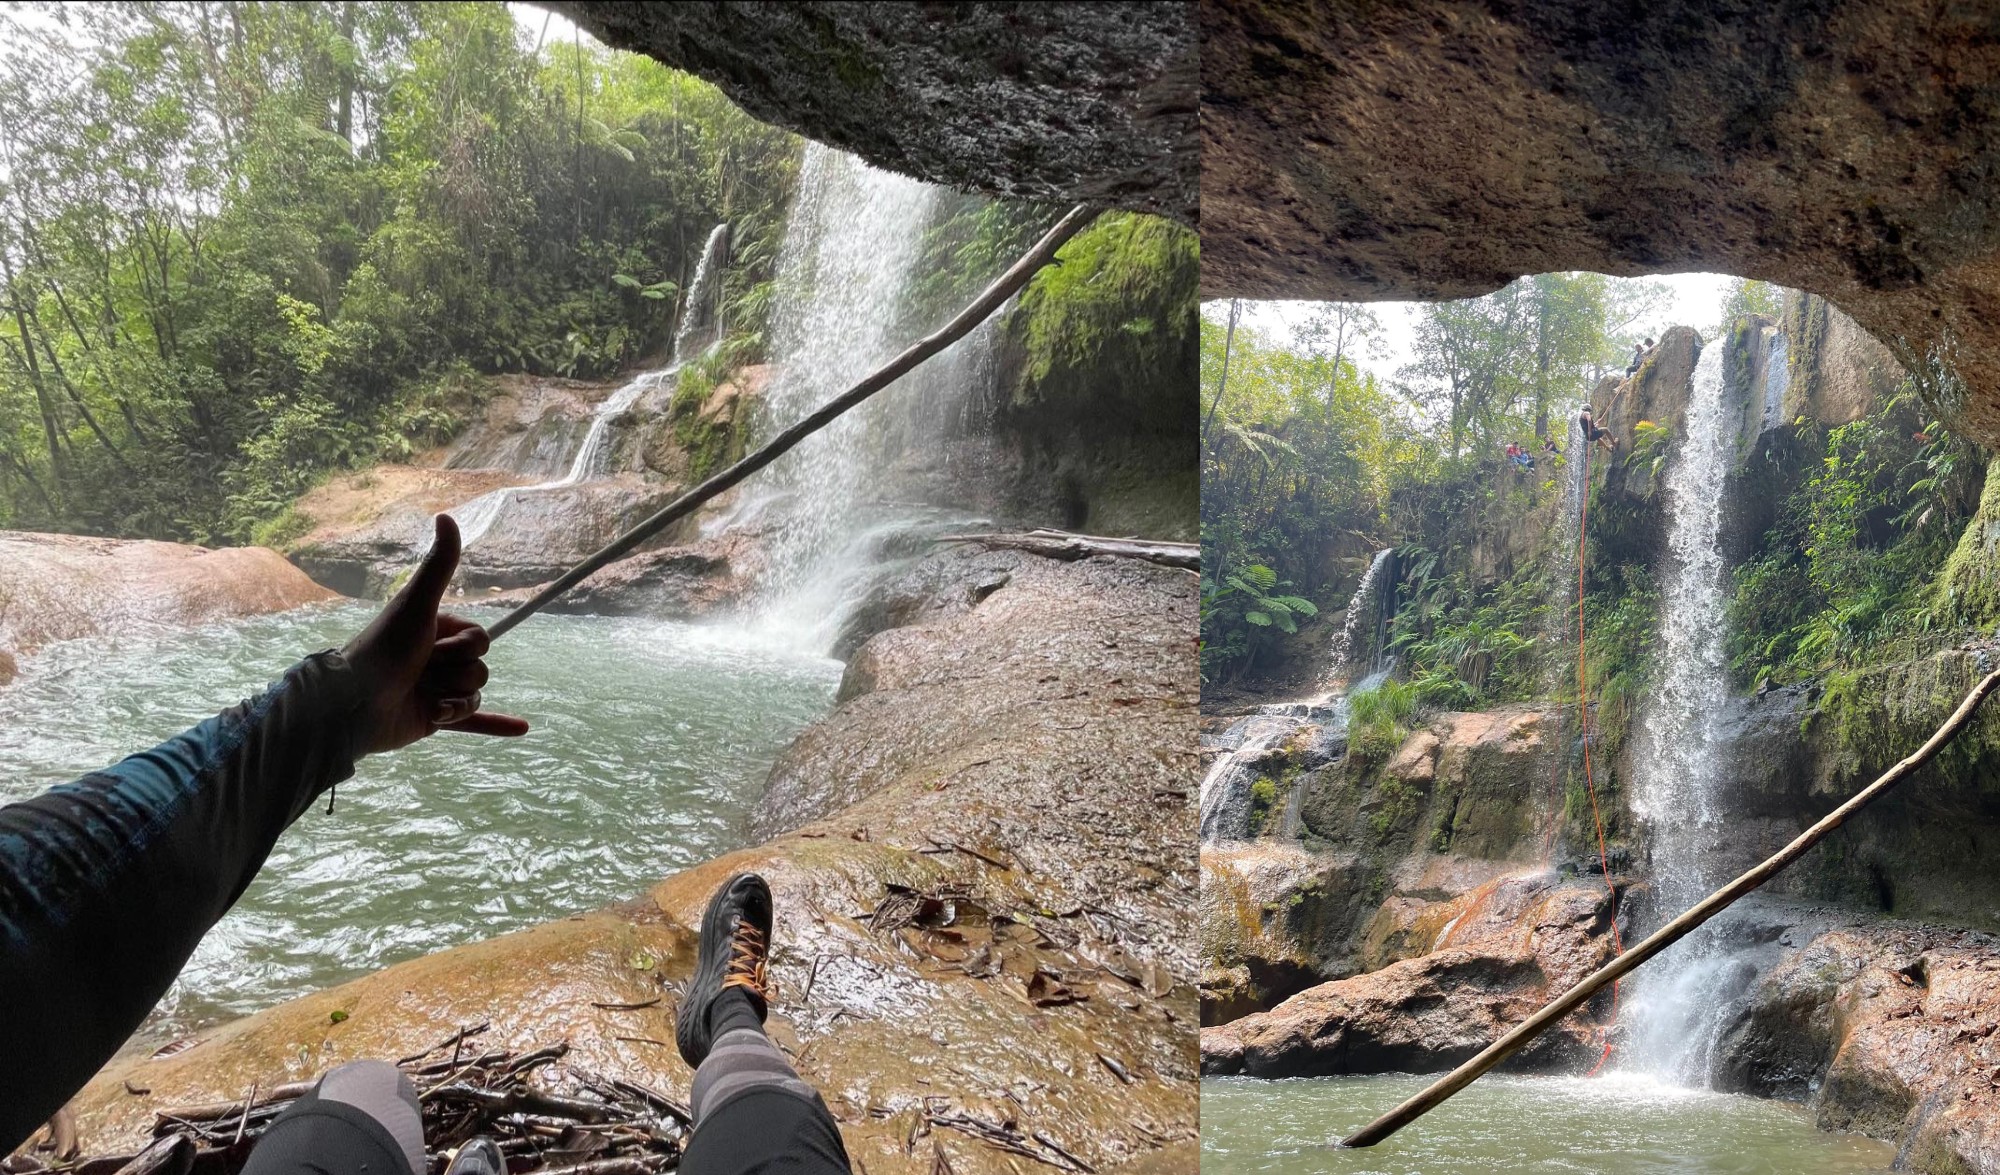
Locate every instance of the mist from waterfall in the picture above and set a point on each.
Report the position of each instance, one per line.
(1677, 769)
(851, 246)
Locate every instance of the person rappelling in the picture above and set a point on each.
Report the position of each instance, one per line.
(1592, 431)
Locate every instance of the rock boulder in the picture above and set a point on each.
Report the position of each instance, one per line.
(58, 587)
(1518, 941)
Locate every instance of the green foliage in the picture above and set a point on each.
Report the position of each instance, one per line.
(244, 249)
(1378, 720)
(1263, 798)
(1123, 296)
(1461, 647)
(1252, 604)
(1860, 566)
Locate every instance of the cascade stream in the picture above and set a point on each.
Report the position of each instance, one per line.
(1674, 1007)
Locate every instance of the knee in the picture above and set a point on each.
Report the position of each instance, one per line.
(367, 1083)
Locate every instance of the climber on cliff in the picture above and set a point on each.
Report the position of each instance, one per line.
(1639, 353)
(1586, 420)
(107, 884)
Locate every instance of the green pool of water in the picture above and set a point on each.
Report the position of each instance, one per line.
(1613, 1125)
(651, 744)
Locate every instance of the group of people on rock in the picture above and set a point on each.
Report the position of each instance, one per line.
(1639, 353)
(1586, 421)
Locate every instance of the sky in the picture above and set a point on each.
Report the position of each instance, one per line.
(1697, 300)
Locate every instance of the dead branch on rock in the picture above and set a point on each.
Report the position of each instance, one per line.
(589, 1125)
(1061, 544)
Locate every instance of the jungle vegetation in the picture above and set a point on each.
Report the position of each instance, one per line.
(242, 243)
(1310, 465)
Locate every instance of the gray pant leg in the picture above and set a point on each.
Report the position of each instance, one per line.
(381, 1091)
(741, 1060)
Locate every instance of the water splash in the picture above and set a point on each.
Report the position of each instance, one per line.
(1677, 764)
(852, 243)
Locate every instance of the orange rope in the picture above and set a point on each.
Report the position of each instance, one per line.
(1583, 725)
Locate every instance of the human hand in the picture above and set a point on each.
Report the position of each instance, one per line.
(420, 669)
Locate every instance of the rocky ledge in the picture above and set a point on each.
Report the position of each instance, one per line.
(984, 866)
(1505, 949)
(1887, 1029)
(58, 587)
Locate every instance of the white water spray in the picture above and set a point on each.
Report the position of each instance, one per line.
(852, 242)
(1676, 759)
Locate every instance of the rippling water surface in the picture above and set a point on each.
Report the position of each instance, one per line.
(651, 742)
(1616, 1125)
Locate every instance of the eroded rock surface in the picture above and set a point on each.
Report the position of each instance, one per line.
(1514, 943)
(1271, 913)
(1884, 1029)
(984, 896)
(58, 587)
(1440, 149)
(1066, 102)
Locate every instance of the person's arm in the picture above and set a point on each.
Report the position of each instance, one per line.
(108, 883)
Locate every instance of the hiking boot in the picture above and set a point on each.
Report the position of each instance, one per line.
(479, 1156)
(735, 943)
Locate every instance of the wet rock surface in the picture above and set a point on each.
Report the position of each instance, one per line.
(1032, 101)
(983, 887)
(1270, 915)
(1439, 150)
(56, 587)
(1887, 1029)
(1512, 944)
(701, 578)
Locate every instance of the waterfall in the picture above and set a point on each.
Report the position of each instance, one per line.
(698, 326)
(476, 517)
(1368, 613)
(1777, 378)
(701, 314)
(852, 241)
(1676, 766)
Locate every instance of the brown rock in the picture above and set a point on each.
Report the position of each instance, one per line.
(1439, 150)
(1416, 760)
(1886, 1030)
(1273, 921)
(57, 587)
(1518, 941)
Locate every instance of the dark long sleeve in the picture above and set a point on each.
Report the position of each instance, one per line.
(108, 883)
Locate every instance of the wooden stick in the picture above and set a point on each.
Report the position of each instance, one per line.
(1004, 287)
(1669, 934)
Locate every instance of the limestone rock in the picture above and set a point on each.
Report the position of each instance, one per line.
(57, 587)
(1887, 1030)
(1520, 940)
(1045, 102)
(1273, 922)
(1439, 150)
